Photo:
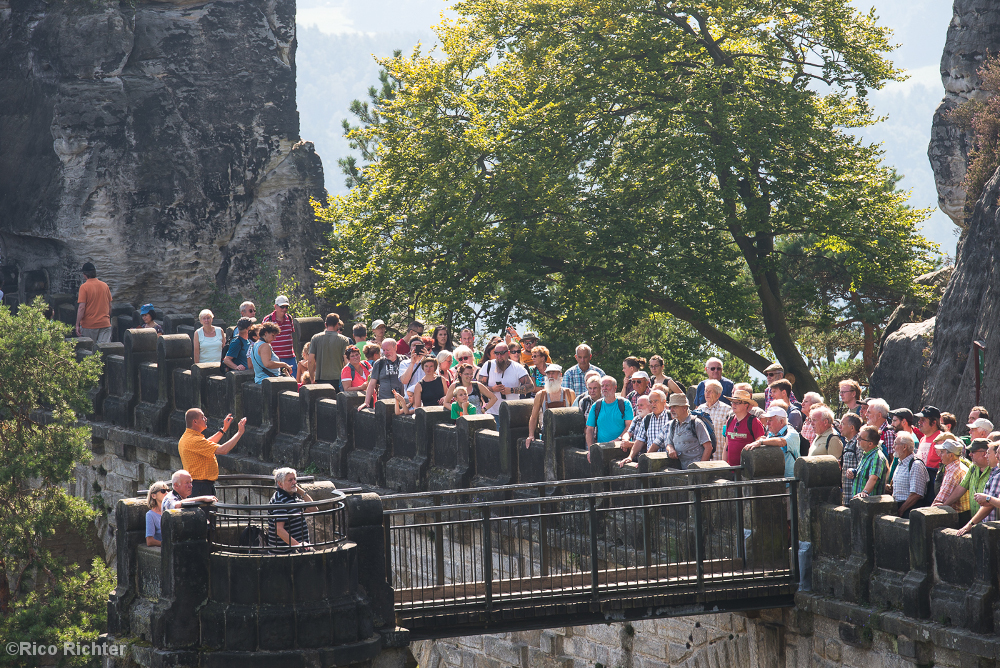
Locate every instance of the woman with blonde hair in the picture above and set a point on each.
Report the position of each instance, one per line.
(209, 341)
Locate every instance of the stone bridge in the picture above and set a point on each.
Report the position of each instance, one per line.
(876, 587)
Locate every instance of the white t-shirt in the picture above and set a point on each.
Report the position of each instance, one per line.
(418, 374)
(509, 378)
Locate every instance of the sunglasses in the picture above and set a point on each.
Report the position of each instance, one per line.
(501, 352)
(715, 368)
(464, 357)
(283, 308)
(515, 350)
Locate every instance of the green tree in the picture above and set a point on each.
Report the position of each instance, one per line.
(663, 150)
(44, 390)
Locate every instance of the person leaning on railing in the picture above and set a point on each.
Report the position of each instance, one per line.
(287, 527)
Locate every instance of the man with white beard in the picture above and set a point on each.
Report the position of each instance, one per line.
(553, 396)
(652, 429)
(642, 409)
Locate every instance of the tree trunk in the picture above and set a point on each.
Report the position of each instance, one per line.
(868, 354)
(4, 589)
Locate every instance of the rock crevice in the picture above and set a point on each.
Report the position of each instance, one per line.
(159, 140)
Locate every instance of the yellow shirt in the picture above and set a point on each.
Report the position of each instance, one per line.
(198, 455)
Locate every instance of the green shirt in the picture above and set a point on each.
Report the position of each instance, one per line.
(872, 463)
(455, 408)
(975, 482)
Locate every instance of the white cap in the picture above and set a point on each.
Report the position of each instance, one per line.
(954, 447)
(377, 324)
(776, 411)
(981, 423)
(640, 375)
(281, 300)
(553, 367)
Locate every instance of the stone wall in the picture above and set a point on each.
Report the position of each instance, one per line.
(159, 140)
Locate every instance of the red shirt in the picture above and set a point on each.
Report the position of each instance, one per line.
(740, 434)
(930, 455)
(282, 344)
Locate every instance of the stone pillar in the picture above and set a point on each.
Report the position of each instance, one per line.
(766, 519)
(140, 347)
(130, 532)
(305, 329)
(372, 443)
(565, 444)
(184, 579)
(918, 581)
(366, 529)
(173, 351)
(857, 570)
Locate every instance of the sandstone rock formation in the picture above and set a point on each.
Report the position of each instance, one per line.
(902, 368)
(974, 31)
(159, 140)
(968, 312)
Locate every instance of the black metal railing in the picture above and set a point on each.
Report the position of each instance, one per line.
(245, 522)
(458, 565)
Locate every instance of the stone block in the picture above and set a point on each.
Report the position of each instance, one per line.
(276, 579)
(313, 624)
(241, 628)
(276, 627)
(505, 651)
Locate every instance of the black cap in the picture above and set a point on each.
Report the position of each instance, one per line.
(88, 266)
(903, 414)
(978, 444)
(929, 412)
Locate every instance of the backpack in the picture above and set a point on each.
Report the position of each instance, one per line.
(597, 408)
(705, 418)
(253, 537)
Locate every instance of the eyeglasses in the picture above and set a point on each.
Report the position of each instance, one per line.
(464, 357)
(739, 403)
(773, 373)
(251, 310)
(515, 350)
(284, 307)
(501, 352)
(714, 368)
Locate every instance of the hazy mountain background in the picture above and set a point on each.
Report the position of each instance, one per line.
(338, 40)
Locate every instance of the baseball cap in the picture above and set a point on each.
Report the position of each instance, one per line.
(88, 266)
(978, 444)
(281, 300)
(776, 411)
(146, 308)
(981, 423)
(553, 367)
(929, 412)
(377, 324)
(640, 375)
(903, 414)
(949, 445)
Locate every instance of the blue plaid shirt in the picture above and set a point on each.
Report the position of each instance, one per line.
(574, 378)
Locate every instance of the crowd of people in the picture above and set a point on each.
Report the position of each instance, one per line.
(918, 458)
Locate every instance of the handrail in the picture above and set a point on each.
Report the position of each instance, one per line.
(592, 495)
(561, 483)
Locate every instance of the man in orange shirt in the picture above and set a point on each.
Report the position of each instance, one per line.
(93, 314)
(198, 453)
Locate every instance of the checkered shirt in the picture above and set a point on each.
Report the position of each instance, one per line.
(872, 464)
(910, 477)
(659, 425)
(992, 489)
(849, 460)
(720, 414)
(954, 473)
(808, 432)
(888, 436)
(574, 378)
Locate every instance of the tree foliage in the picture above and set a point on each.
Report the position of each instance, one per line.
(661, 152)
(44, 390)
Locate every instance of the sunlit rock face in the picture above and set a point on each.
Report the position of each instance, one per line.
(158, 140)
(974, 31)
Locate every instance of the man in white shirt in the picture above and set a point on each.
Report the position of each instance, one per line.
(507, 379)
